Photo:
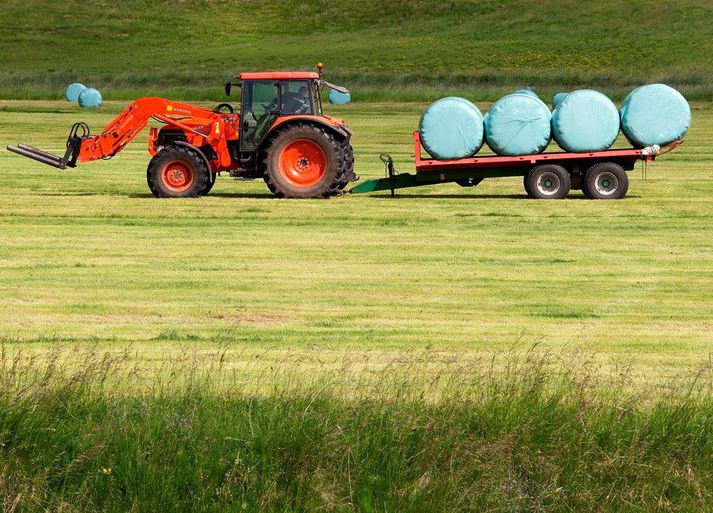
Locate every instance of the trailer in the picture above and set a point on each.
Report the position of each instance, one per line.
(600, 174)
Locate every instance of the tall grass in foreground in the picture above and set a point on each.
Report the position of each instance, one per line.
(87, 431)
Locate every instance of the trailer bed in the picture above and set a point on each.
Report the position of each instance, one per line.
(470, 171)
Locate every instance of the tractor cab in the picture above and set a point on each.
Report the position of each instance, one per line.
(266, 97)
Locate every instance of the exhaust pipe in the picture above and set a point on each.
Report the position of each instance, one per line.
(38, 155)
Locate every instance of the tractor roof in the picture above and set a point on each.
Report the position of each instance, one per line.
(280, 75)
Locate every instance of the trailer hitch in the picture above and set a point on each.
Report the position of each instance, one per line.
(390, 171)
(74, 144)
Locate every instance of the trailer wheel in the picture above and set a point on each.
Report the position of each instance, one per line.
(176, 172)
(304, 161)
(548, 181)
(606, 180)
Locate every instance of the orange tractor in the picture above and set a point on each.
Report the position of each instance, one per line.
(280, 135)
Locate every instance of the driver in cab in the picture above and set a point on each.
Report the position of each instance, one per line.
(296, 103)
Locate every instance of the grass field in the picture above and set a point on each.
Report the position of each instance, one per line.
(239, 352)
(415, 50)
(90, 255)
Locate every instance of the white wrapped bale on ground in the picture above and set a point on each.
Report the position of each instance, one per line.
(518, 124)
(71, 94)
(338, 98)
(451, 128)
(654, 114)
(90, 98)
(585, 120)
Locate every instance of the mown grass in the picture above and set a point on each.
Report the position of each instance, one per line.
(89, 255)
(382, 50)
(536, 435)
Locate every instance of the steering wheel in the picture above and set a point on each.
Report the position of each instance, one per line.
(222, 106)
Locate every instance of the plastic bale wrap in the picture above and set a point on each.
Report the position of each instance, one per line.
(451, 128)
(90, 98)
(518, 124)
(654, 114)
(557, 99)
(585, 120)
(527, 91)
(338, 98)
(71, 94)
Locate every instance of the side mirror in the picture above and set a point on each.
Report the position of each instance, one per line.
(228, 87)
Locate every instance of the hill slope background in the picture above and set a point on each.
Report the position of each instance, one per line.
(400, 50)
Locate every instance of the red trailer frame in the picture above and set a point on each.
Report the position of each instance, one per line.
(472, 170)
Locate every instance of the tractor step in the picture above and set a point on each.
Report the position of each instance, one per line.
(74, 143)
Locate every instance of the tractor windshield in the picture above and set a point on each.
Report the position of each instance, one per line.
(259, 111)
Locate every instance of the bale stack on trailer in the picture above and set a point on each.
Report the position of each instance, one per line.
(519, 127)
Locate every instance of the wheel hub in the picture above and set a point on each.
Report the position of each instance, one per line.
(548, 184)
(606, 184)
(177, 176)
(302, 163)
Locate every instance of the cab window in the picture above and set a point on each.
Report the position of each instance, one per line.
(296, 97)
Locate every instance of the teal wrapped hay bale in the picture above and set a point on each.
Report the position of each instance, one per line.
(338, 98)
(557, 99)
(71, 94)
(527, 91)
(518, 124)
(585, 120)
(654, 114)
(90, 97)
(451, 128)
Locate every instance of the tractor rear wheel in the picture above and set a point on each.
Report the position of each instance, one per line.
(304, 161)
(177, 172)
(348, 170)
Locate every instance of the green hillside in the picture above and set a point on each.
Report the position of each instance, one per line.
(410, 50)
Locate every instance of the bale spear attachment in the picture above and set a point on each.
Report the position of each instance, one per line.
(74, 143)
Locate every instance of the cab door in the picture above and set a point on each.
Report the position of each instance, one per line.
(260, 107)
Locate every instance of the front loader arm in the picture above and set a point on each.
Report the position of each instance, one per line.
(127, 125)
(83, 147)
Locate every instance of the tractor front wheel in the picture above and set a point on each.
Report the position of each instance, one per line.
(177, 172)
(303, 161)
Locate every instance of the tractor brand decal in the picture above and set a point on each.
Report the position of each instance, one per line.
(171, 108)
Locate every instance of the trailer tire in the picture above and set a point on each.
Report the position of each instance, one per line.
(177, 172)
(605, 180)
(304, 161)
(548, 181)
